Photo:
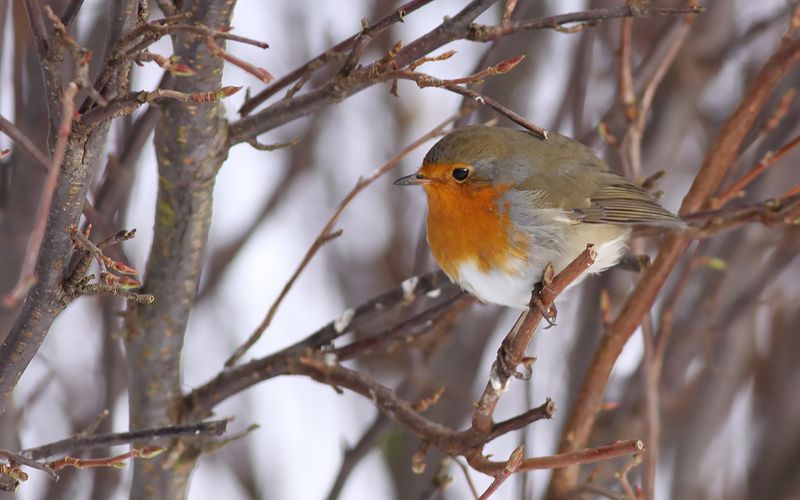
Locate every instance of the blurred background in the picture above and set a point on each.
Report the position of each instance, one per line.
(729, 405)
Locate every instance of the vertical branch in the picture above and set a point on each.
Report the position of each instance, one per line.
(27, 275)
(720, 157)
(50, 57)
(83, 150)
(154, 334)
(652, 403)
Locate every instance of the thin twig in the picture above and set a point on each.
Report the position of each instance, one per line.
(79, 443)
(586, 456)
(18, 459)
(320, 60)
(327, 233)
(511, 466)
(652, 418)
(127, 104)
(38, 28)
(508, 113)
(775, 210)
(115, 461)
(233, 380)
(720, 156)
(766, 162)
(24, 142)
(27, 275)
(482, 33)
(94, 424)
(508, 10)
(455, 85)
(513, 349)
(404, 332)
(71, 13)
(468, 478)
(625, 77)
(623, 477)
(218, 51)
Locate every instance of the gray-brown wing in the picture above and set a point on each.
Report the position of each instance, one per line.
(622, 202)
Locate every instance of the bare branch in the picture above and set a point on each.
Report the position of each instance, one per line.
(481, 33)
(326, 233)
(334, 52)
(24, 142)
(719, 158)
(79, 443)
(27, 276)
(562, 460)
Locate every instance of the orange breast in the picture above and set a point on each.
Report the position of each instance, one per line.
(469, 224)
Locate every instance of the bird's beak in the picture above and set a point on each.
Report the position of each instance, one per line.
(412, 180)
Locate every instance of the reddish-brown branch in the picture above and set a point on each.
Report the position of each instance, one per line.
(328, 371)
(136, 41)
(625, 76)
(223, 54)
(586, 456)
(630, 493)
(766, 162)
(116, 461)
(636, 114)
(725, 149)
(773, 211)
(511, 466)
(781, 110)
(719, 158)
(544, 411)
(306, 359)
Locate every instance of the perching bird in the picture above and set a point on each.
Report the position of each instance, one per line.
(502, 203)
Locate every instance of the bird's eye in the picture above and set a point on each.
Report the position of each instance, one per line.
(460, 174)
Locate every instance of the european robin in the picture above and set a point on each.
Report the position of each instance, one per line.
(503, 203)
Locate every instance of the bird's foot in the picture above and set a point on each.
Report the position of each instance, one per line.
(635, 263)
(504, 366)
(550, 313)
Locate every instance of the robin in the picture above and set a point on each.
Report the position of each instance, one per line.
(503, 203)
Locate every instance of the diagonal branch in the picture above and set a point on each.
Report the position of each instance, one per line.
(327, 233)
(334, 52)
(24, 142)
(720, 157)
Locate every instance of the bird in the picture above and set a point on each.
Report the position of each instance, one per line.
(503, 203)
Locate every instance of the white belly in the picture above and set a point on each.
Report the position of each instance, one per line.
(514, 288)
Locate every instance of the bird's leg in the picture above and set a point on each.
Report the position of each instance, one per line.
(548, 313)
(504, 367)
(635, 263)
